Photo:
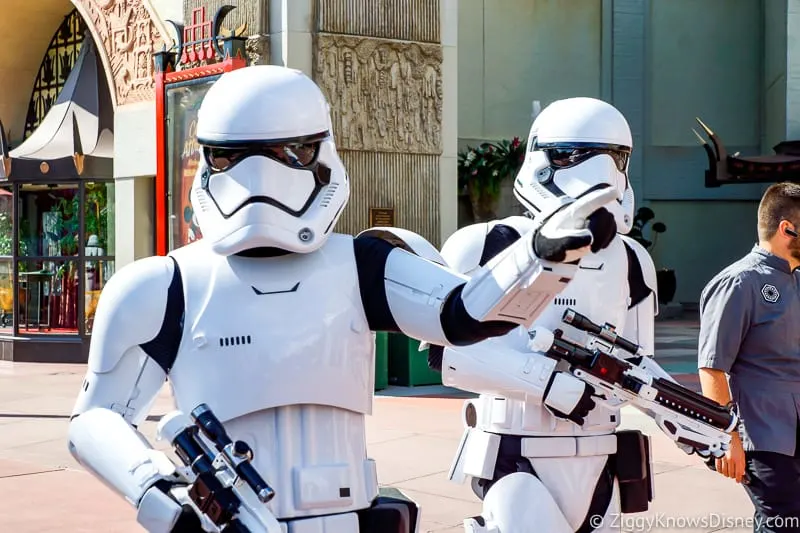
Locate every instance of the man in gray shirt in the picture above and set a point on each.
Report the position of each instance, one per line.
(750, 331)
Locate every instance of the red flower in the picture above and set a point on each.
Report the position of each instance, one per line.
(515, 143)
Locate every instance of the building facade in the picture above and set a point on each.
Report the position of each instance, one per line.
(411, 83)
(91, 184)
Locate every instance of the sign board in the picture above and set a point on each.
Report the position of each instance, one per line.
(381, 217)
(183, 156)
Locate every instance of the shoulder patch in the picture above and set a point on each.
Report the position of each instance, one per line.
(770, 293)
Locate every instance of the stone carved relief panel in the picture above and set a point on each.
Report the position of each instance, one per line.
(129, 36)
(385, 96)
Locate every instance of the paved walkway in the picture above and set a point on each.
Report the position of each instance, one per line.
(411, 438)
(676, 349)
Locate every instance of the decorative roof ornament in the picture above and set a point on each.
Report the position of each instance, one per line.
(76, 136)
(724, 169)
(199, 41)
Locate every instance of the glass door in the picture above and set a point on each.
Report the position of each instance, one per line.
(48, 273)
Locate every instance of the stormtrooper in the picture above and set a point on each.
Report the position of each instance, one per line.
(538, 449)
(267, 321)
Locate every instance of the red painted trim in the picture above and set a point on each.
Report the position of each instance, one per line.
(195, 73)
(161, 213)
(204, 71)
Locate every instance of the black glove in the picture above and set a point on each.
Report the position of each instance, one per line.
(563, 385)
(555, 249)
(566, 234)
(603, 228)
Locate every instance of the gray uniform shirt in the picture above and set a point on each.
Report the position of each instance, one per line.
(750, 328)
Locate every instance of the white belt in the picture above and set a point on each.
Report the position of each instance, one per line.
(534, 447)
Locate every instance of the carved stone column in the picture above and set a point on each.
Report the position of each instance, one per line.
(380, 63)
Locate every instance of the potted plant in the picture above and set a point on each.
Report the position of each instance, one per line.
(7, 235)
(665, 277)
(482, 170)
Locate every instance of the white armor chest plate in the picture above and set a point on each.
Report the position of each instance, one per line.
(599, 291)
(273, 332)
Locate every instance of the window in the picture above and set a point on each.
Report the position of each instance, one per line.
(49, 233)
(58, 60)
(6, 260)
(65, 257)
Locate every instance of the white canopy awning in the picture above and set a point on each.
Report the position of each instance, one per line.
(81, 121)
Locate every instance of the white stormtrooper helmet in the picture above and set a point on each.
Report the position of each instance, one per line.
(577, 145)
(269, 174)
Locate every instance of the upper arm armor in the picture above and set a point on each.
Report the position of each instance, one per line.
(520, 224)
(463, 249)
(443, 305)
(124, 373)
(473, 246)
(390, 263)
(131, 310)
(640, 325)
(406, 287)
(416, 292)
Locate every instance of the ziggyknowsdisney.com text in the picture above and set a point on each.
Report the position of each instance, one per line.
(642, 524)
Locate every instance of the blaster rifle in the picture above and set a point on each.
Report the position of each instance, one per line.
(217, 477)
(685, 416)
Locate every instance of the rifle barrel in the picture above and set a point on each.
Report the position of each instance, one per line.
(694, 405)
(671, 395)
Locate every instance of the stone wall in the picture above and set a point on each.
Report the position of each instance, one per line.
(379, 62)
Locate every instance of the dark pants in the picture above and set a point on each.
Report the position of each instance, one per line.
(774, 490)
